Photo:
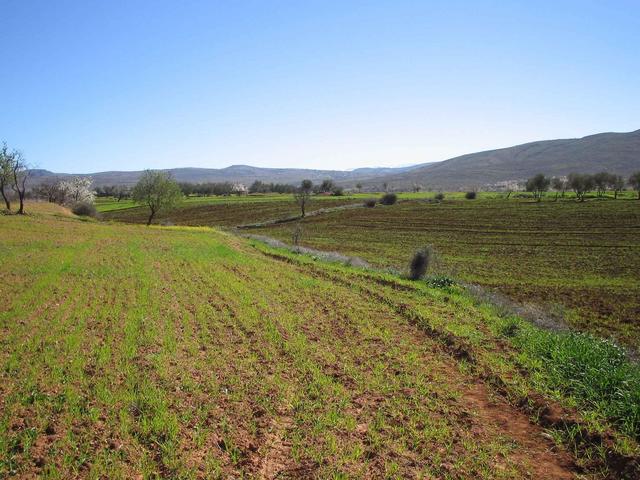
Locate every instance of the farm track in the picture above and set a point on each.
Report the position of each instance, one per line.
(190, 354)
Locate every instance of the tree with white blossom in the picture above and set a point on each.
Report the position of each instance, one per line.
(77, 189)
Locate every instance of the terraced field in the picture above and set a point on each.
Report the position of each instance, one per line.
(581, 260)
(188, 353)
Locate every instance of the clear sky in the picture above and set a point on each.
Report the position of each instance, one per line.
(122, 85)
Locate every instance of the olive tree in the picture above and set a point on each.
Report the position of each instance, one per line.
(634, 181)
(580, 184)
(302, 195)
(601, 181)
(559, 184)
(538, 184)
(616, 183)
(158, 191)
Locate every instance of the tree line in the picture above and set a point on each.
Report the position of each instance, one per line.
(582, 184)
(326, 187)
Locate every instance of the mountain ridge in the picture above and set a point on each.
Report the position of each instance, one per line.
(609, 151)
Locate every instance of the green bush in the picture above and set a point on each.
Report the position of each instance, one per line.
(370, 203)
(420, 263)
(85, 209)
(389, 199)
(439, 196)
(470, 195)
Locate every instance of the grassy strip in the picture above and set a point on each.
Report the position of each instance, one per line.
(593, 371)
(592, 374)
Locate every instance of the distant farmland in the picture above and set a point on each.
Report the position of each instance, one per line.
(222, 211)
(579, 259)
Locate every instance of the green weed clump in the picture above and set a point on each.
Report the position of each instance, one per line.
(441, 281)
(595, 372)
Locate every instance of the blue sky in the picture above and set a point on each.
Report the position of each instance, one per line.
(123, 85)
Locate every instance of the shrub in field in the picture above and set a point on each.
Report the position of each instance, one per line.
(439, 196)
(370, 203)
(85, 209)
(296, 234)
(420, 263)
(389, 199)
(470, 195)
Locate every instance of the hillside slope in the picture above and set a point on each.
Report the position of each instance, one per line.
(613, 152)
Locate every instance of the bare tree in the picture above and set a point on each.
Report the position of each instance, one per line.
(6, 176)
(14, 174)
(296, 234)
(302, 196)
(50, 191)
(121, 192)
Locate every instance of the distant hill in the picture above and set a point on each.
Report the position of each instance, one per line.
(235, 173)
(613, 152)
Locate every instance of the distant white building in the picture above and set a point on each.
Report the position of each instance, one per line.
(506, 185)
